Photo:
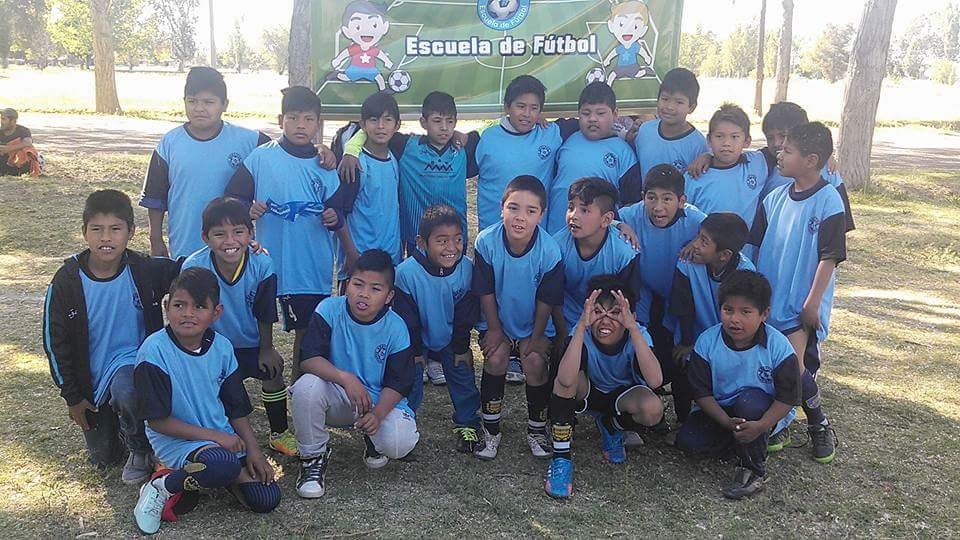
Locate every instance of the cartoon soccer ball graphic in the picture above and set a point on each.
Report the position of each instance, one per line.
(594, 75)
(503, 9)
(399, 81)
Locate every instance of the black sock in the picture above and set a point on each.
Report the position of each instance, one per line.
(275, 404)
(811, 399)
(609, 423)
(561, 425)
(491, 401)
(626, 423)
(538, 397)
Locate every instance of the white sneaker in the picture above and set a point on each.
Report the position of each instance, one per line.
(632, 439)
(491, 443)
(311, 483)
(515, 371)
(434, 372)
(426, 378)
(372, 458)
(149, 506)
(540, 445)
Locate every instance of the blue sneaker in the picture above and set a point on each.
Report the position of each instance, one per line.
(559, 484)
(613, 450)
(515, 371)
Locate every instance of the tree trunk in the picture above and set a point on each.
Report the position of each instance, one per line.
(299, 49)
(103, 58)
(785, 52)
(868, 66)
(213, 43)
(758, 95)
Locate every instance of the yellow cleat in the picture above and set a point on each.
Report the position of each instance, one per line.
(284, 443)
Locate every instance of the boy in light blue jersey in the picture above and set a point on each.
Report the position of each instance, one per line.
(248, 287)
(745, 379)
(608, 370)
(192, 398)
(518, 276)
(594, 151)
(193, 163)
(358, 371)
(433, 296)
(665, 224)
(800, 234)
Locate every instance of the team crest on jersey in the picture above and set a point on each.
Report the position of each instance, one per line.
(543, 151)
(813, 225)
(610, 160)
(752, 181)
(381, 353)
(234, 159)
(680, 164)
(136, 302)
(765, 374)
(538, 277)
(251, 296)
(317, 186)
(458, 294)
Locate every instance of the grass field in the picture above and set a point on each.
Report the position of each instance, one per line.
(891, 385)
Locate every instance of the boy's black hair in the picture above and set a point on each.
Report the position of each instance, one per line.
(594, 190)
(607, 283)
(199, 283)
(783, 115)
(681, 80)
(598, 92)
(436, 216)
(524, 84)
(665, 176)
(727, 230)
(525, 182)
(376, 105)
(752, 286)
(732, 113)
(108, 201)
(203, 78)
(438, 102)
(813, 138)
(375, 260)
(300, 99)
(364, 7)
(225, 210)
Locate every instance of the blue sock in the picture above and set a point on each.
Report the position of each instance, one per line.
(214, 467)
(261, 498)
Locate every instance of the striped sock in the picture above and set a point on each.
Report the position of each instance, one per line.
(275, 404)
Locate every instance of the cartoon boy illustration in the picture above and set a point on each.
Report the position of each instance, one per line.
(365, 24)
(628, 23)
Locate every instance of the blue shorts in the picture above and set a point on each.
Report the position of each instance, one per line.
(297, 309)
(248, 364)
(811, 353)
(356, 73)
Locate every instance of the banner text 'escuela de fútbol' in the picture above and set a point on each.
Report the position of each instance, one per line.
(473, 48)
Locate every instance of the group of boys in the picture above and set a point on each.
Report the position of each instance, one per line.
(595, 267)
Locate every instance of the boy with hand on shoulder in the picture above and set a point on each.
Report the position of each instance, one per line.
(357, 370)
(99, 307)
(248, 287)
(608, 370)
(433, 296)
(800, 233)
(745, 379)
(192, 398)
(518, 276)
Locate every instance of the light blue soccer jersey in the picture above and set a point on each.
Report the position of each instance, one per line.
(186, 173)
(295, 190)
(694, 284)
(429, 176)
(615, 256)
(611, 159)
(653, 148)
(736, 188)
(436, 297)
(375, 220)
(114, 325)
(776, 180)
(608, 371)
(627, 56)
(247, 300)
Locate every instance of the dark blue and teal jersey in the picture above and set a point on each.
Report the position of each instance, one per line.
(615, 256)
(186, 173)
(659, 250)
(653, 148)
(289, 180)
(611, 159)
(776, 180)
(202, 388)
(736, 188)
(518, 281)
(377, 352)
(693, 298)
(436, 303)
(374, 221)
(794, 232)
(248, 300)
(114, 325)
(614, 367)
(720, 370)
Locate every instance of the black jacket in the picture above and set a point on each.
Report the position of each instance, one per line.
(65, 338)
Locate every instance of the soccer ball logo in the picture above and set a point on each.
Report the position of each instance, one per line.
(399, 81)
(502, 9)
(381, 353)
(765, 374)
(251, 297)
(234, 159)
(813, 225)
(594, 75)
(680, 165)
(752, 181)
(543, 151)
(610, 160)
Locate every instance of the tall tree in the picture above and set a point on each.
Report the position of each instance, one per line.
(829, 57)
(299, 48)
(179, 18)
(103, 58)
(868, 66)
(213, 40)
(276, 44)
(761, 45)
(785, 53)
(239, 49)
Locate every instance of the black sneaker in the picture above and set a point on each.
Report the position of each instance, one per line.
(745, 483)
(779, 440)
(823, 441)
(313, 475)
(467, 439)
(372, 458)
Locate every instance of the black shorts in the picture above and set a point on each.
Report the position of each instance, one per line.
(811, 353)
(248, 364)
(298, 308)
(604, 402)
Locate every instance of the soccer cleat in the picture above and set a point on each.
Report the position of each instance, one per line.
(284, 443)
(311, 483)
(779, 440)
(468, 439)
(745, 483)
(540, 445)
(426, 378)
(434, 372)
(137, 469)
(559, 483)
(612, 444)
(515, 371)
(632, 439)
(372, 458)
(149, 509)
(823, 440)
(491, 443)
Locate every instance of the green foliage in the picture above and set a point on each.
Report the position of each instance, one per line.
(927, 38)
(944, 72)
(238, 52)
(27, 24)
(178, 21)
(735, 56)
(830, 55)
(276, 44)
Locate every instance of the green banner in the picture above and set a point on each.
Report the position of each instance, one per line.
(471, 49)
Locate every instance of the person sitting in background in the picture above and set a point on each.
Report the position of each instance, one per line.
(17, 154)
